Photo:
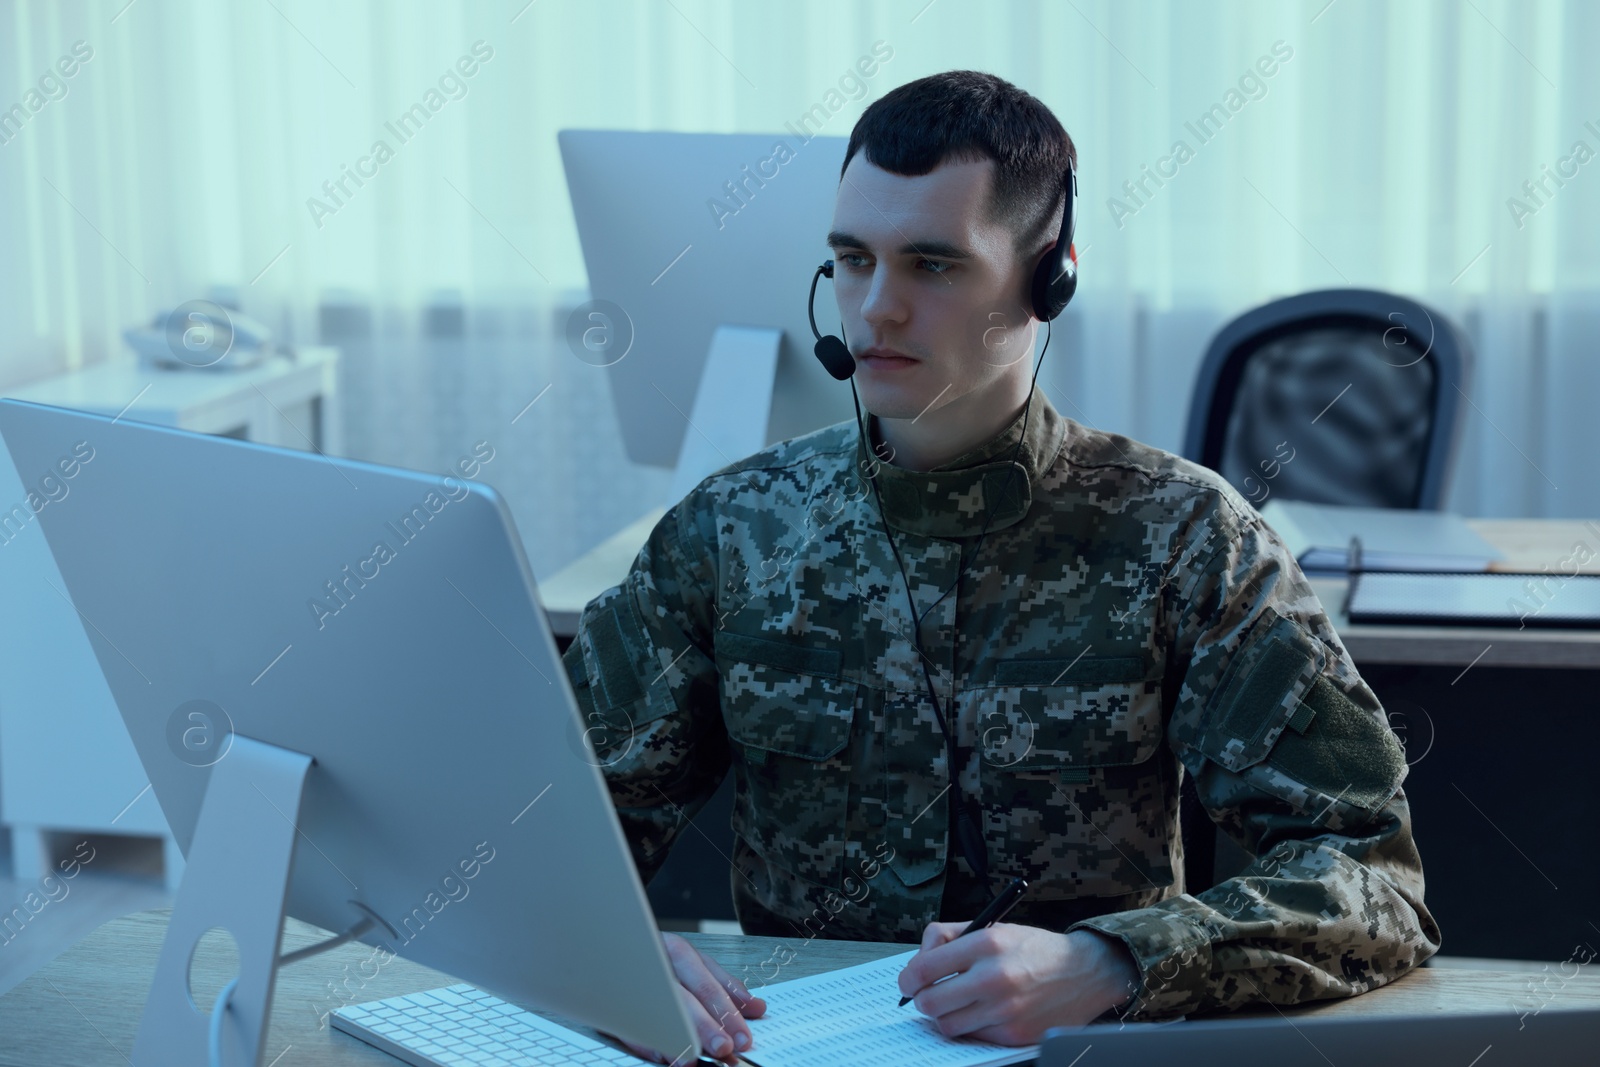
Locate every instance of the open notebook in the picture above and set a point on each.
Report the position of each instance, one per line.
(851, 1016)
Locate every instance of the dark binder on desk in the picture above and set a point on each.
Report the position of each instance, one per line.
(1519, 600)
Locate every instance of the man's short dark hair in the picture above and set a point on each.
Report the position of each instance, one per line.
(966, 116)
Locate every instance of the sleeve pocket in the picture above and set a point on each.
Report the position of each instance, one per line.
(1266, 680)
(632, 679)
(618, 675)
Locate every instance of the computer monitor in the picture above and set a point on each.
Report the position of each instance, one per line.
(688, 231)
(283, 630)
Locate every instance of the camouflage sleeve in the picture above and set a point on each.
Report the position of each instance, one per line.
(642, 669)
(1293, 758)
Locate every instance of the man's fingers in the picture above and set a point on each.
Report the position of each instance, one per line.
(972, 1020)
(715, 1037)
(939, 999)
(748, 1003)
(717, 1017)
(948, 954)
(938, 933)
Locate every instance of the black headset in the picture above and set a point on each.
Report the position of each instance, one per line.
(1055, 279)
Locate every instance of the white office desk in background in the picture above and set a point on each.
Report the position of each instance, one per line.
(566, 593)
(67, 766)
(276, 402)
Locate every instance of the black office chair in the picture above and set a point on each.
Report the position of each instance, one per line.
(1343, 396)
(1363, 389)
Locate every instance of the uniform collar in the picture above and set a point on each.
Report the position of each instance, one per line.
(953, 499)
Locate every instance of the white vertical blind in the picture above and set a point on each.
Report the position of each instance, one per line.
(1388, 151)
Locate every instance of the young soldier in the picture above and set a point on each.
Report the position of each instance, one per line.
(990, 644)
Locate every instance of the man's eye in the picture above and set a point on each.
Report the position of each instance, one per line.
(935, 266)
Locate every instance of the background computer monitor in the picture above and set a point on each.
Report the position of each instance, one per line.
(666, 240)
(242, 583)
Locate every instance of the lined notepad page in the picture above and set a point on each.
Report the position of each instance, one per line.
(850, 1016)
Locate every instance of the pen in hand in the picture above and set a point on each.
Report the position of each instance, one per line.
(997, 910)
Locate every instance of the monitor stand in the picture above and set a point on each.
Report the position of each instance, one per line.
(236, 880)
(732, 404)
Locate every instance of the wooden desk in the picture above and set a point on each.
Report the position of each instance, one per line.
(83, 1009)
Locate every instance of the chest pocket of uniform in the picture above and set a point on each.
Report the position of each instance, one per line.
(1076, 782)
(788, 714)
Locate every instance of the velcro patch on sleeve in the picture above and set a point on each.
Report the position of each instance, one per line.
(1250, 703)
(1344, 752)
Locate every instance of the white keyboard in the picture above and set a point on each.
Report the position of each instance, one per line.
(461, 1026)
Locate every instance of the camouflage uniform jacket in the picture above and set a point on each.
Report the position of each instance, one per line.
(1129, 618)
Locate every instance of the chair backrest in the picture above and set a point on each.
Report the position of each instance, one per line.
(1342, 396)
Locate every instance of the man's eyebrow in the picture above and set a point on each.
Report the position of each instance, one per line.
(936, 249)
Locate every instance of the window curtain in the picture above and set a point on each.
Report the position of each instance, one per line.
(1230, 153)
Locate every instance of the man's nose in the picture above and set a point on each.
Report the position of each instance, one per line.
(884, 302)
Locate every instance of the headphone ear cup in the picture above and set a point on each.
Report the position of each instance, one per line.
(1052, 291)
(1055, 276)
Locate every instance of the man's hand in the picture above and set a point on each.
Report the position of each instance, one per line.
(717, 1003)
(1012, 983)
